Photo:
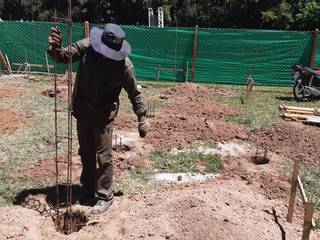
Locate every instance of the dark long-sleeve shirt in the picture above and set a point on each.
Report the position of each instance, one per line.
(98, 83)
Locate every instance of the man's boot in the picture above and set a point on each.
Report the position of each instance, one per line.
(101, 206)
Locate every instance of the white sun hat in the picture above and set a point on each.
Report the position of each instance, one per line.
(110, 42)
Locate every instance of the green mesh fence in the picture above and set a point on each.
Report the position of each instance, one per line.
(224, 55)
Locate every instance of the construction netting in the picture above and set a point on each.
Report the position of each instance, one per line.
(223, 55)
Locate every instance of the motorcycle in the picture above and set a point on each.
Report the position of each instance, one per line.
(306, 82)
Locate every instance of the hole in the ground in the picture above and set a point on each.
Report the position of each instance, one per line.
(68, 223)
(261, 156)
(260, 160)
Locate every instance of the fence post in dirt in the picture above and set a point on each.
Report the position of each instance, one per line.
(86, 29)
(307, 224)
(158, 74)
(313, 47)
(187, 71)
(194, 53)
(294, 184)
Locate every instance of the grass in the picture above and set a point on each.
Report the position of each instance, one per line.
(311, 182)
(134, 180)
(189, 161)
(28, 144)
(263, 107)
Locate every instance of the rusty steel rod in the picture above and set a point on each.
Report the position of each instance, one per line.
(68, 183)
(56, 135)
(69, 170)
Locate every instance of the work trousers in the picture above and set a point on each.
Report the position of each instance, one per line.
(95, 141)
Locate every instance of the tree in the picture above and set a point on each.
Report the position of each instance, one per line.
(308, 16)
(279, 16)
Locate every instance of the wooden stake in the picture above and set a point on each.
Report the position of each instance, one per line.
(294, 184)
(313, 48)
(194, 54)
(303, 193)
(86, 29)
(307, 224)
(158, 74)
(187, 72)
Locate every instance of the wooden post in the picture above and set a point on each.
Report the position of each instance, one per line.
(294, 184)
(307, 224)
(86, 29)
(47, 64)
(194, 54)
(313, 47)
(158, 74)
(187, 72)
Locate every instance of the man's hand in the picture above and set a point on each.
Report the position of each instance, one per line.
(143, 126)
(55, 37)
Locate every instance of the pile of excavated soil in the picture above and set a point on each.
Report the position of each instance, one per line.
(295, 141)
(221, 210)
(195, 90)
(189, 114)
(7, 91)
(10, 119)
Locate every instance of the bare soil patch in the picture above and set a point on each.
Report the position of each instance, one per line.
(295, 141)
(44, 169)
(12, 119)
(190, 115)
(195, 90)
(221, 210)
(9, 91)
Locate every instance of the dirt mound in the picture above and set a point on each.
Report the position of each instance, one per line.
(194, 119)
(45, 168)
(220, 209)
(62, 93)
(195, 90)
(7, 91)
(295, 141)
(10, 119)
(189, 114)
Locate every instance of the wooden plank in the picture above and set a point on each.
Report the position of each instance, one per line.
(33, 65)
(294, 183)
(313, 47)
(86, 29)
(315, 112)
(285, 107)
(307, 223)
(194, 52)
(306, 118)
(297, 116)
(304, 196)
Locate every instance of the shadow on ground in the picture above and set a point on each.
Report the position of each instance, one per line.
(50, 194)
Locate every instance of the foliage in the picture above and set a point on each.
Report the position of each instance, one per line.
(270, 14)
(309, 15)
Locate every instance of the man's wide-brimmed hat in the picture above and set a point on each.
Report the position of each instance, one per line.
(110, 42)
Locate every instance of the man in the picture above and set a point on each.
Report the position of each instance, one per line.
(103, 71)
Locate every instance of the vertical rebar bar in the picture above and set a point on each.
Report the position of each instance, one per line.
(56, 133)
(69, 173)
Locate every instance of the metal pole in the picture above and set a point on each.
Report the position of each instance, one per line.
(56, 133)
(69, 174)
